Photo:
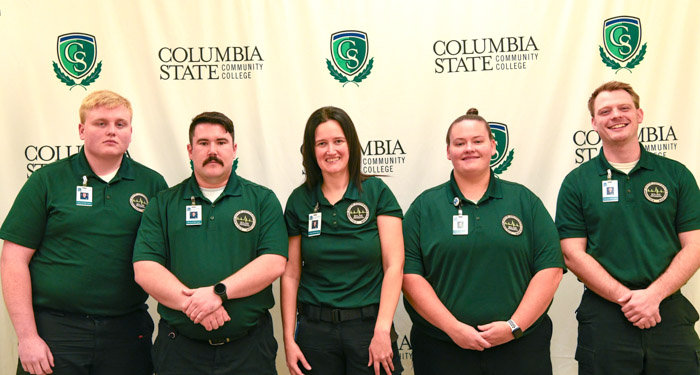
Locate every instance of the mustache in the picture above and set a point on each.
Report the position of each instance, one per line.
(213, 159)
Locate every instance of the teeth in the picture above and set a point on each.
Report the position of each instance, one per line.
(332, 160)
(618, 126)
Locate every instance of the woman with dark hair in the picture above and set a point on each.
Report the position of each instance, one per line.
(482, 264)
(343, 277)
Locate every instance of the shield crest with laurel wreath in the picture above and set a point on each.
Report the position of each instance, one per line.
(500, 135)
(349, 50)
(77, 53)
(622, 36)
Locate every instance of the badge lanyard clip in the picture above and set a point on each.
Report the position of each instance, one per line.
(193, 213)
(460, 223)
(83, 194)
(315, 222)
(610, 191)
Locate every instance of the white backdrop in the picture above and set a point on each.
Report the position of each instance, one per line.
(530, 65)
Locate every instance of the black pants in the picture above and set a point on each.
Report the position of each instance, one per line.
(528, 355)
(253, 354)
(609, 344)
(87, 345)
(340, 348)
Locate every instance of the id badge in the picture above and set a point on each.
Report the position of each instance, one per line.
(314, 224)
(83, 196)
(460, 225)
(610, 191)
(193, 215)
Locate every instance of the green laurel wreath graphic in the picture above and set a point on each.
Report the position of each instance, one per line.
(608, 61)
(93, 76)
(336, 74)
(62, 77)
(363, 74)
(343, 79)
(71, 83)
(503, 166)
(637, 59)
(630, 65)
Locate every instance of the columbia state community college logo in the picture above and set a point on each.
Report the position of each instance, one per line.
(77, 54)
(349, 51)
(500, 135)
(621, 37)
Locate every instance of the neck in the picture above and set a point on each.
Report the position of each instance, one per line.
(103, 166)
(474, 186)
(334, 186)
(211, 183)
(622, 153)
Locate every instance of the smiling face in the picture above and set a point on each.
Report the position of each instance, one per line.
(615, 117)
(212, 152)
(331, 149)
(470, 148)
(106, 132)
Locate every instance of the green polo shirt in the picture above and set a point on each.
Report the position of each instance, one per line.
(243, 223)
(480, 277)
(341, 267)
(635, 238)
(83, 254)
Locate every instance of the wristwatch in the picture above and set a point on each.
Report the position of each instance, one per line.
(220, 290)
(514, 329)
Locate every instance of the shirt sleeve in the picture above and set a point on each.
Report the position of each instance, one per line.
(151, 240)
(570, 220)
(546, 242)
(411, 238)
(291, 217)
(25, 224)
(688, 212)
(273, 235)
(387, 203)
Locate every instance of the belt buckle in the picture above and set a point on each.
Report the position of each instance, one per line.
(217, 342)
(335, 316)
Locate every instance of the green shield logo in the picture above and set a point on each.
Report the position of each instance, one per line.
(500, 134)
(77, 53)
(349, 50)
(622, 36)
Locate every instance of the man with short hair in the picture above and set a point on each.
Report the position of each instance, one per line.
(66, 272)
(629, 224)
(212, 271)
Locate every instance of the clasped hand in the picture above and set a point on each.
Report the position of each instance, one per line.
(204, 307)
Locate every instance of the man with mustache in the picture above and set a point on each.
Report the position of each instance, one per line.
(629, 224)
(66, 261)
(208, 250)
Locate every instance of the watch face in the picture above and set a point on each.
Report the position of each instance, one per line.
(220, 289)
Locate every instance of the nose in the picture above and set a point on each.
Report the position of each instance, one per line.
(111, 128)
(212, 148)
(616, 113)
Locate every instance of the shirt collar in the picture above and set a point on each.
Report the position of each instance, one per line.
(351, 193)
(81, 167)
(645, 161)
(233, 187)
(492, 191)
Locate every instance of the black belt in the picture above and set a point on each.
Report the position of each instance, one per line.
(173, 332)
(329, 314)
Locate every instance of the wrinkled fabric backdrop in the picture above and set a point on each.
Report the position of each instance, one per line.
(402, 70)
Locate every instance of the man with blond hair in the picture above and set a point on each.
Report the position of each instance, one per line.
(66, 259)
(629, 224)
